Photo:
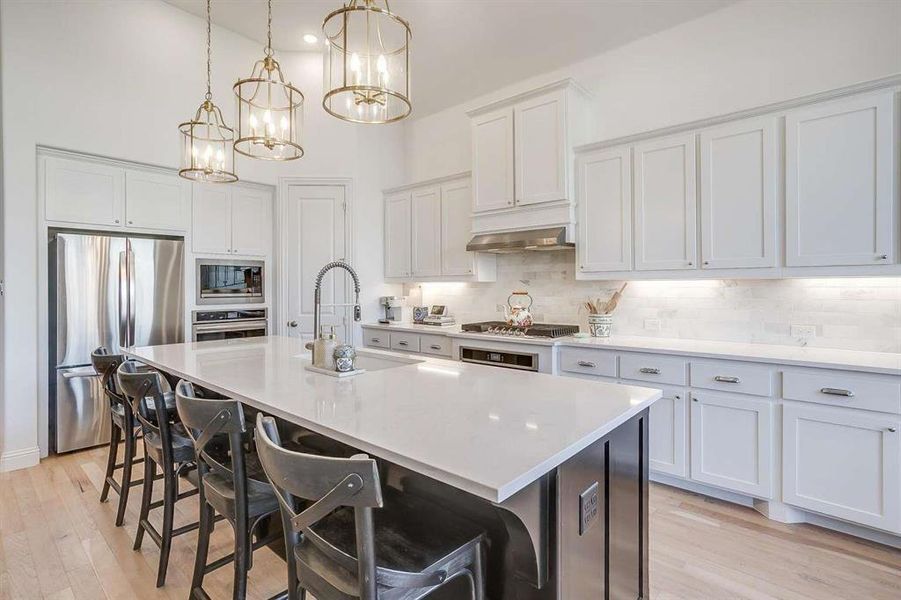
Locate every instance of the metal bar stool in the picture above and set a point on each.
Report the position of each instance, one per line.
(166, 444)
(339, 548)
(122, 428)
(232, 483)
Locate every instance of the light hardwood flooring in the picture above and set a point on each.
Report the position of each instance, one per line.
(58, 542)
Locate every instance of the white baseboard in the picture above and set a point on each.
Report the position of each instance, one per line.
(781, 512)
(20, 459)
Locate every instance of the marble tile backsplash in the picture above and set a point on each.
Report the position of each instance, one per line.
(849, 313)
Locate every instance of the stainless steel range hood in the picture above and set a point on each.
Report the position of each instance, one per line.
(551, 238)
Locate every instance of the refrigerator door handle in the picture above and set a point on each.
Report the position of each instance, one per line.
(123, 300)
(130, 262)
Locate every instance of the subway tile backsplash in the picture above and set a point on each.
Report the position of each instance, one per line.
(850, 313)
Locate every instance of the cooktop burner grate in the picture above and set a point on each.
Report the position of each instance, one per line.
(536, 330)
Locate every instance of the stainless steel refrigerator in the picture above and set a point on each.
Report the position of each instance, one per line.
(111, 291)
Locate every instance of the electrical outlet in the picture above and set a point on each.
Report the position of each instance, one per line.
(589, 508)
(803, 331)
(652, 324)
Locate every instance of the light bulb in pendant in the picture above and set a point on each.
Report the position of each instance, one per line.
(381, 64)
(253, 124)
(284, 125)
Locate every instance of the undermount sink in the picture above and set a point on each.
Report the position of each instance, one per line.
(373, 361)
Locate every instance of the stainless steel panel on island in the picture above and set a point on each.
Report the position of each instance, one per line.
(554, 469)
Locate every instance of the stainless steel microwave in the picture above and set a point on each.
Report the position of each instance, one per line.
(230, 282)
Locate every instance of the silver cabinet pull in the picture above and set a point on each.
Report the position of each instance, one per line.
(402, 343)
(376, 340)
(586, 364)
(435, 347)
(649, 370)
(292, 323)
(892, 429)
(726, 379)
(883, 257)
(837, 392)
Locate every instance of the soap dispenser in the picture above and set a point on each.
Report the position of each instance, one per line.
(324, 348)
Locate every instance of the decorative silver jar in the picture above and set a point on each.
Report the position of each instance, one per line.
(600, 325)
(345, 355)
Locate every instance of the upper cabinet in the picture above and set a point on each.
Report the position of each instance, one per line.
(707, 201)
(665, 204)
(840, 183)
(232, 219)
(492, 160)
(88, 192)
(427, 227)
(540, 149)
(738, 194)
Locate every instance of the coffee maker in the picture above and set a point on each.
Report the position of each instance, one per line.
(396, 309)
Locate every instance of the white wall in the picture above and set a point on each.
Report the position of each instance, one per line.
(115, 79)
(742, 56)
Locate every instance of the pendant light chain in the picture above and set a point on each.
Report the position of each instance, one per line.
(269, 31)
(209, 52)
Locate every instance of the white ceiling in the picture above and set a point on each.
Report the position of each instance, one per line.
(462, 49)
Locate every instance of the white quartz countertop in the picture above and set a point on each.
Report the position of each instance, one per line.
(485, 430)
(830, 358)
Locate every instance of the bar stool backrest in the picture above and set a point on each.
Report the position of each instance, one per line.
(329, 483)
(210, 422)
(106, 364)
(138, 385)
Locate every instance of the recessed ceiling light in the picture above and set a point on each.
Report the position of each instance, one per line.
(310, 38)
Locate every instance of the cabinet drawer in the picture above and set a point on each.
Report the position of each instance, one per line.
(841, 389)
(435, 344)
(405, 342)
(588, 362)
(653, 368)
(376, 338)
(729, 377)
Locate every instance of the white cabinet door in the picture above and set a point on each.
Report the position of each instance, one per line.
(492, 160)
(83, 192)
(426, 233)
(604, 196)
(738, 194)
(844, 463)
(668, 433)
(840, 182)
(397, 235)
(156, 201)
(212, 219)
(251, 222)
(731, 442)
(665, 204)
(540, 149)
(456, 227)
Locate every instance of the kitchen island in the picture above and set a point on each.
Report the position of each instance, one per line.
(556, 470)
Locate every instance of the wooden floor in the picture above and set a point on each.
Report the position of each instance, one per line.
(59, 542)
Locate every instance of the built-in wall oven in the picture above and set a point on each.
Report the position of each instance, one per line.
(211, 325)
(230, 282)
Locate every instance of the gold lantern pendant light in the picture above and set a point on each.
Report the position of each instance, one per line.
(270, 110)
(207, 153)
(367, 63)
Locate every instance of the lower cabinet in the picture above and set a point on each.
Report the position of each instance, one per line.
(844, 463)
(668, 433)
(732, 442)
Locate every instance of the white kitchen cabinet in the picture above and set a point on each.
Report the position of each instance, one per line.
(665, 204)
(843, 463)
(212, 220)
(251, 215)
(398, 227)
(604, 197)
(492, 160)
(231, 220)
(841, 182)
(83, 192)
(540, 148)
(668, 432)
(426, 231)
(731, 442)
(456, 229)
(156, 201)
(739, 173)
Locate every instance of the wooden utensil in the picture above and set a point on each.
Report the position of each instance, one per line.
(614, 300)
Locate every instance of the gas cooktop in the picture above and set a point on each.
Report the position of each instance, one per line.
(536, 330)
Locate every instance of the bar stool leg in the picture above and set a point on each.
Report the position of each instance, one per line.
(125, 486)
(146, 495)
(478, 572)
(170, 491)
(241, 553)
(115, 435)
(204, 532)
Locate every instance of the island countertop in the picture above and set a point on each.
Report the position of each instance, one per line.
(486, 430)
